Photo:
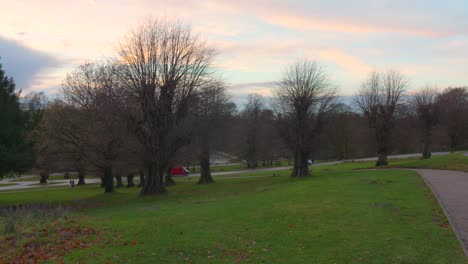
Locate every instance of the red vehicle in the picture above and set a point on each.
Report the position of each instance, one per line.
(179, 171)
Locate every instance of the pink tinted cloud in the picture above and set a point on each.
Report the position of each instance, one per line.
(295, 16)
(317, 24)
(346, 61)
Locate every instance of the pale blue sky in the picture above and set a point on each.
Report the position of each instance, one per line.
(41, 41)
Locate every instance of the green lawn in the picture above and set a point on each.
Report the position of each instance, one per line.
(453, 161)
(7, 184)
(237, 167)
(339, 215)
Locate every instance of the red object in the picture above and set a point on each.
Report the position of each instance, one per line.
(179, 171)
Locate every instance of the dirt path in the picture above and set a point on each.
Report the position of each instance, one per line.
(451, 189)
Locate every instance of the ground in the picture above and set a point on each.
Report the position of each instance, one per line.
(339, 215)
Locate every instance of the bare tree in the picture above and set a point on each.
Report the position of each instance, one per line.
(378, 99)
(339, 132)
(163, 63)
(212, 109)
(34, 105)
(427, 110)
(304, 94)
(64, 137)
(251, 113)
(454, 106)
(94, 90)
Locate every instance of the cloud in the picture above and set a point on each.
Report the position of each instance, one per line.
(262, 88)
(24, 64)
(240, 92)
(415, 18)
(348, 62)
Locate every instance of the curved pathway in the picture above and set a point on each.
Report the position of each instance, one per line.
(451, 190)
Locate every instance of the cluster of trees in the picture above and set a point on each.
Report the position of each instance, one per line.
(157, 104)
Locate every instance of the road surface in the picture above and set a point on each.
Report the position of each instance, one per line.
(450, 189)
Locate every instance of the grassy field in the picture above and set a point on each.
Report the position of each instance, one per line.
(339, 215)
(237, 167)
(453, 161)
(7, 184)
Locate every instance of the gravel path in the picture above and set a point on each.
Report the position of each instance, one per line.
(451, 189)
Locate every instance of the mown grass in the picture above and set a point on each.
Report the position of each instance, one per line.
(339, 215)
(7, 184)
(454, 161)
(334, 217)
(238, 167)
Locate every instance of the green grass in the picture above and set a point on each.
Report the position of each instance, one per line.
(339, 215)
(453, 161)
(7, 184)
(237, 167)
(48, 183)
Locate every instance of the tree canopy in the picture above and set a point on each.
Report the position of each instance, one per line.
(16, 152)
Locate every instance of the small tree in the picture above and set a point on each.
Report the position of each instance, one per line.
(304, 94)
(427, 110)
(251, 113)
(94, 91)
(63, 139)
(453, 103)
(34, 105)
(378, 99)
(212, 109)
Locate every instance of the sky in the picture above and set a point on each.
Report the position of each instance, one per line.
(426, 40)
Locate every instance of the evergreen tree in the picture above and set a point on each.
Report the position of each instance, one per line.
(16, 154)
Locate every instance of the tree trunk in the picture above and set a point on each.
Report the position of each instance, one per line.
(205, 170)
(301, 167)
(169, 180)
(130, 182)
(427, 144)
(382, 159)
(108, 180)
(142, 178)
(44, 176)
(154, 181)
(118, 177)
(103, 182)
(453, 143)
(81, 177)
(382, 146)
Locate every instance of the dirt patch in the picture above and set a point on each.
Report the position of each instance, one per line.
(40, 233)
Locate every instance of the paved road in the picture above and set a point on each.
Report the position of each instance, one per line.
(31, 184)
(451, 189)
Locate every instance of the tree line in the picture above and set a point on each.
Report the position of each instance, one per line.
(157, 104)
